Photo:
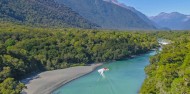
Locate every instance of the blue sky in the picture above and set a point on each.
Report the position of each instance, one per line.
(154, 7)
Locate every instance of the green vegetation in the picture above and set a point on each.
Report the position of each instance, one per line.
(169, 71)
(9, 86)
(25, 50)
(41, 13)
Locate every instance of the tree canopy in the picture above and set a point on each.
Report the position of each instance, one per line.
(169, 71)
(25, 50)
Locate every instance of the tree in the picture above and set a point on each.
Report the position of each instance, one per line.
(5, 73)
(9, 86)
(10, 42)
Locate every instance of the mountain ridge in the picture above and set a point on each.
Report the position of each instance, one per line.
(173, 20)
(141, 15)
(106, 14)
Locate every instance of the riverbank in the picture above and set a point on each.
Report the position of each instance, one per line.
(131, 70)
(46, 82)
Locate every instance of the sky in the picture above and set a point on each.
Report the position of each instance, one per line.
(154, 7)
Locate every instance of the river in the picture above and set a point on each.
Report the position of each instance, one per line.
(124, 77)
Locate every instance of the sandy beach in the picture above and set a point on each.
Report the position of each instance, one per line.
(46, 82)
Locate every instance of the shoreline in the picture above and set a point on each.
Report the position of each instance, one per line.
(48, 81)
(33, 82)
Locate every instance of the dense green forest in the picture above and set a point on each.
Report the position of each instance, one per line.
(25, 50)
(42, 13)
(169, 71)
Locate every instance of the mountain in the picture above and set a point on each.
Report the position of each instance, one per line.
(141, 15)
(174, 20)
(187, 24)
(108, 15)
(41, 13)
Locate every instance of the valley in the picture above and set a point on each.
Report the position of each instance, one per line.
(62, 40)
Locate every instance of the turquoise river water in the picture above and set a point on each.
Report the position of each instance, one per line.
(124, 77)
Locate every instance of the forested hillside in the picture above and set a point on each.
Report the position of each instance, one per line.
(169, 71)
(24, 50)
(44, 13)
(108, 15)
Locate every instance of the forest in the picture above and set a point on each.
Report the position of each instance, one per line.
(42, 13)
(25, 50)
(169, 70)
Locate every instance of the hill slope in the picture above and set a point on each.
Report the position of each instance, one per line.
(41, 12)
(106, 14)
(141, 15)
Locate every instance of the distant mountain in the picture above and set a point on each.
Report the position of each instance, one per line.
(109, 14)
(187, 24)
(141, 15)
(174, 20)
(41, 13)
